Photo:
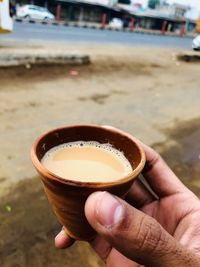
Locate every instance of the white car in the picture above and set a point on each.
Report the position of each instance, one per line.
(34, 12)
(196, 43)
(116, 23)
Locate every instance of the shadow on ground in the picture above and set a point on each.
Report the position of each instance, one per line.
(182, 152)
(42, 72)
(28, 228)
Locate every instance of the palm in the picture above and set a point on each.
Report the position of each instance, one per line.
(174, 213)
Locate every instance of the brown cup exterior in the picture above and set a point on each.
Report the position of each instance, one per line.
(68, 197)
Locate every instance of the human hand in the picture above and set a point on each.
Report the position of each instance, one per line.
(144, 230)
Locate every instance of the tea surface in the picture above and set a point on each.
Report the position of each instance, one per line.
(87, 162)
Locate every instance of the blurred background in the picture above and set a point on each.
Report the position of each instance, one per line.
(130, 64)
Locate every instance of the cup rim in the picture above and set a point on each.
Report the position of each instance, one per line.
(52, 176)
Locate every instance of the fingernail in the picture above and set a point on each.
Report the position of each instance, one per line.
(61, 234)
(109, 210)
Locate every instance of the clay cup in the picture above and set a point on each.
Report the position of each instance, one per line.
(68, 197)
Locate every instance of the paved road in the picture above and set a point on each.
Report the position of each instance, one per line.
(52, 33)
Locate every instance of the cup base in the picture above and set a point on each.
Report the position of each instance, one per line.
(77, 237)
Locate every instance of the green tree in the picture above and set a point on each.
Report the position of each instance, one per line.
(153, 3)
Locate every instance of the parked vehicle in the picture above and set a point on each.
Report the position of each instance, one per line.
(34, 12)
(116, 23)
(196, 43)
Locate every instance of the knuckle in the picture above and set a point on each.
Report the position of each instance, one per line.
(150, 163)
(151, 237)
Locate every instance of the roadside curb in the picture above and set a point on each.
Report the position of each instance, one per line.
(99, 27)
(10, 59)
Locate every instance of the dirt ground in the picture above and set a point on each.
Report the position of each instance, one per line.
(144, 91)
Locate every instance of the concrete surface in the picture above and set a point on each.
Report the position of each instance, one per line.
(8, 58)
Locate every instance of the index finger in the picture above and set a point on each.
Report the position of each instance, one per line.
(159, 176)
(63, 240)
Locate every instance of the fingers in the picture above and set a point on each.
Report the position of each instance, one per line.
(116, 259)
(133, 233)
(139, 195)
(159, 176)
(62, 240)
(101, 247)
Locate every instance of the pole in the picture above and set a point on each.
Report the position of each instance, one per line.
(58, 12)
(182, 31)
(103, 20)
(81, 14)
(163, 29)
(132, 24)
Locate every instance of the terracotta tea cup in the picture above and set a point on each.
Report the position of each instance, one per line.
(68, 197)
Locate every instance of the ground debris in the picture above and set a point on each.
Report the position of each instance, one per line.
(8, 208)
(190, 56)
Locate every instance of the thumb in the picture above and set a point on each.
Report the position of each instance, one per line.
(136, 235)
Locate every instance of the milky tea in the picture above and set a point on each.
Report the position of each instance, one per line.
(87, 162)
